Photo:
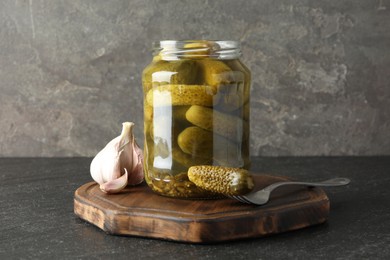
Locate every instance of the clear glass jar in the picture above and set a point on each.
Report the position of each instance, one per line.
(196, 112)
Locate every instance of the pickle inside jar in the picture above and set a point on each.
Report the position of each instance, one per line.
(162, 72)
(172, 144)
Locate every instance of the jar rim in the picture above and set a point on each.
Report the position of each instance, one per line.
(176, 49)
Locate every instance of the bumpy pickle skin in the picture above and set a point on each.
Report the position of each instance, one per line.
(222, 180)
(223, 124)
(181, 95)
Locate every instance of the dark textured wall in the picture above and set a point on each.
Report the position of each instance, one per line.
(70, 71)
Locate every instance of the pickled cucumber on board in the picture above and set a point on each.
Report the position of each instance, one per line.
(179, 95)
(223, 124)
(223, 180)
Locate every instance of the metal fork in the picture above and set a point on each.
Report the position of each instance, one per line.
(262, 196)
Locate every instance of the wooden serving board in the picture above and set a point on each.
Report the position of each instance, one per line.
(137, 211)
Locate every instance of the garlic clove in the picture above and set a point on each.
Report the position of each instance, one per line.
(116, 185)
(106, 164)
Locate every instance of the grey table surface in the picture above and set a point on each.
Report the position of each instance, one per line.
(37, 219)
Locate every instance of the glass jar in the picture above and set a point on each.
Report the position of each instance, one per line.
(196, 112)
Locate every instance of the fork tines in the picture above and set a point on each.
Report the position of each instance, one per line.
(241, 198)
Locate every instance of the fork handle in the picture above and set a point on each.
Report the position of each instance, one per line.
(327, 183)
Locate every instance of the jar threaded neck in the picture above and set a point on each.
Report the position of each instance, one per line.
(170, 49)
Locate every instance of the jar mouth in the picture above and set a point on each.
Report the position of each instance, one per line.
(171, 49)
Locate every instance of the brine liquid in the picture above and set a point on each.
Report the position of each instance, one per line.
(196, 113)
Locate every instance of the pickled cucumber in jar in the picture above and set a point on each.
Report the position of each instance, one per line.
(196, 112)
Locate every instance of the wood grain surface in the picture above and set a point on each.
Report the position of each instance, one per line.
(137, 211)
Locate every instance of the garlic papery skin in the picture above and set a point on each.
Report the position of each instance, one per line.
(121, 156)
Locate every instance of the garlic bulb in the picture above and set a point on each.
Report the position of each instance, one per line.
(120, 163)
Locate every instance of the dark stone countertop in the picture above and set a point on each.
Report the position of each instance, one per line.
(37, 219)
